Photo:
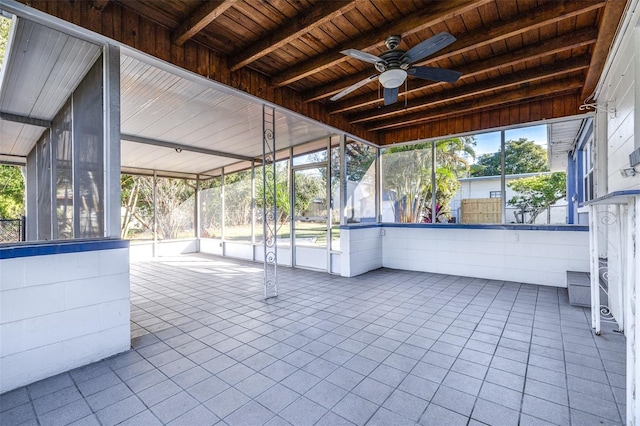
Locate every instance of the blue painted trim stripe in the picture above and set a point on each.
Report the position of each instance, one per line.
(509, 227)
(58, 247)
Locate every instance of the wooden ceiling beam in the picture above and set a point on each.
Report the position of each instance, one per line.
(548, 14)
(435, 13)
(199, 19)
(538, 50)
(608, 27)
(500, 83)
(555, 87)
(320, 14)
(99, 4)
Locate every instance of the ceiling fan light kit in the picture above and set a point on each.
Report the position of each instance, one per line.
(395, 64)
(391, 79)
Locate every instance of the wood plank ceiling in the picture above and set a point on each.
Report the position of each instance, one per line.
(521, 60)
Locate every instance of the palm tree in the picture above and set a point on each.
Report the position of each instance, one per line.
(406, 174)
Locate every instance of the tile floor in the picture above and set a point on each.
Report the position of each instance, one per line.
(385, 348)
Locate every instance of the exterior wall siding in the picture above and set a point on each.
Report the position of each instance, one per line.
(621, 96)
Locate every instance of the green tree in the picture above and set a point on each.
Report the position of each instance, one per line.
(5, 25)
(11, 192)
(521, 156)
(406, 172)
(174, 213)
(536, 193)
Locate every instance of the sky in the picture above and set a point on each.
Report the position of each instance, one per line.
(490, 142)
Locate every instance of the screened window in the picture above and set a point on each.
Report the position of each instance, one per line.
(361, 182)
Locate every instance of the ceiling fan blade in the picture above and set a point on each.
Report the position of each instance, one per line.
(354, 87)
(435, 74)
(391, 95)
(428, 46)
(363, 56)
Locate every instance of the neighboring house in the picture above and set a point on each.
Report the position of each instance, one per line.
(484, 187)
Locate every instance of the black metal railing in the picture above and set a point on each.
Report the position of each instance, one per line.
(12, 230)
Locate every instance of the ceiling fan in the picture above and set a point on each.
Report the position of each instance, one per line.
(395, 65)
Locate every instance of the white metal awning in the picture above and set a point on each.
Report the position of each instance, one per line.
(41, 69)
(162, 107)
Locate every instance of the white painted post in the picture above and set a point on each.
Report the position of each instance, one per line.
(594, 268)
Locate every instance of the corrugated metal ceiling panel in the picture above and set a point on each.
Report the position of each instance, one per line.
(17, 138)
(136, 155)
(43, 67)
(157, 104)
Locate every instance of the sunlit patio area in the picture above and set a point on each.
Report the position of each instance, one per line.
(388, 347)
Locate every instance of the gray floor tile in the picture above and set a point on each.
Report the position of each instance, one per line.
(491, 413)
(18, 414)
(345, 378)
(235, 374)
(325, 394)
(207, 389)
(300, 381)
(594, 405)
(96, 384)
(13, 399)
(394, 339)
(279, 370)
(174, 406)
(50, 385)
(249, 414)
(545, 410)
(437, 415)
(454, 400)
(501, 395)
(90, 420)
(56, 399)
(580, 418)
(146, 418)
(373, 390)
(384, 417)
(92, 370)
(277, 398)
(108, 396)
(406, 405)
(120, 411)
(332, 419)
(506, 379)
(158, 392)
(226, 402)
(320, 368)
(132, 370)
(355, 409)
(388, 375)
(254, 385)
(303, 412)
(197, 416)
(419, 387)
(463, 383)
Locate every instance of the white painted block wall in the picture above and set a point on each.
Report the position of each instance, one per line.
(61, 311)
(527, 256)
(361, 250)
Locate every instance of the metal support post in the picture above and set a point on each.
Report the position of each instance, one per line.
(503, 181)
(155, 214)
(434, 187)
(269, 206)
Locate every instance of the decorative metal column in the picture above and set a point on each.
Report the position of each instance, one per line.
(269, 206)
